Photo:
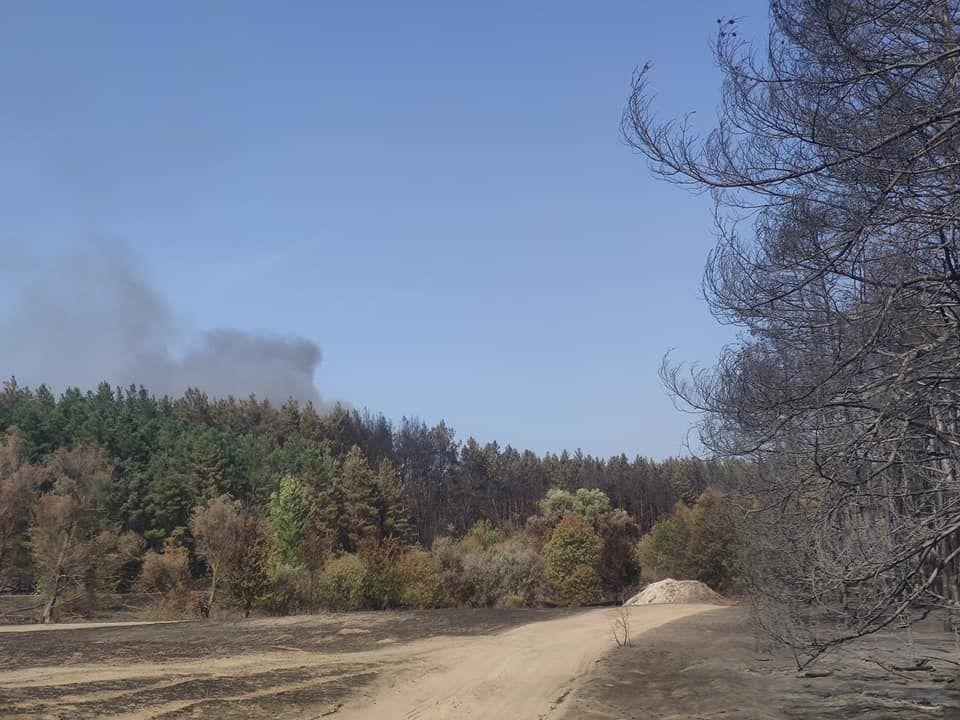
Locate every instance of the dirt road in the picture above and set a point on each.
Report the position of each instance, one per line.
(347, 667)
(60, 627)
(524, 673)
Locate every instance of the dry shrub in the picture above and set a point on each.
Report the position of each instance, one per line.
(291, 590)
(619, 567)
(508, 572)
(537, 531)
(105, 574)
(166, 571)
(521, 579)
(167, 576)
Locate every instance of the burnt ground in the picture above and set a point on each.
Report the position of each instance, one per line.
(707, 666)
(273, 668)
(712, 666)
(329, 633)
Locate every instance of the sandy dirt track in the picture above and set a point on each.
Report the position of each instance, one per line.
(81, 626)
(526, 671)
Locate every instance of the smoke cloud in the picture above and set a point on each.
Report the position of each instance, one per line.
(91, 315)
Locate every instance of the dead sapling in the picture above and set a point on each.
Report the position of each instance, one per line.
(620, 625)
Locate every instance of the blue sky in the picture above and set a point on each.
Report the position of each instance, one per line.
(436, 194)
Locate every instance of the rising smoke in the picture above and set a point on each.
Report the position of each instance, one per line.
(91, 315)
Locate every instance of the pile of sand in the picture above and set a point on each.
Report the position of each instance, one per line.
(674, 592)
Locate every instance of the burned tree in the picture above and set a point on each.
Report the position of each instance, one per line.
(214, 528)
(76, 556)
(835, 172)
(233, 543)
(18, 497)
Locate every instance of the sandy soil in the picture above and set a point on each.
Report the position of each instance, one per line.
(80, 625)
(523, 673)
(444, 664)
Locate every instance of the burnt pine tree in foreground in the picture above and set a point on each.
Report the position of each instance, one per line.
(835, 172)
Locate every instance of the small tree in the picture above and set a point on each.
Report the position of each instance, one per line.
(620, 625)
(618, 559)
(289, 513)
(65, 539)
(214, 527)
(349, 504)
(393, 520)
(246, 571)
(18, 496)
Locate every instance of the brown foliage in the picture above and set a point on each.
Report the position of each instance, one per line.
(18, 496)
(74, 553)
(214, 529)
(235, 547)
(168, 575)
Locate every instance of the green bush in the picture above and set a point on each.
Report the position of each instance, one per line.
(697, 543)
(342, 584)
(581, 587)
(422, 583)
(574, 545)
(590, 504)
(382, 576)
(664, 551)
(556, 505)
(482, 537)
(384, 582)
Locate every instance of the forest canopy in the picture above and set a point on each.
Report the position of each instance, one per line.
(341, 509)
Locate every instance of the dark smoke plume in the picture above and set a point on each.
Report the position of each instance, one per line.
(91, 315)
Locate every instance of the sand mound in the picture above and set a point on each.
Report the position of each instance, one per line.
(674, 592)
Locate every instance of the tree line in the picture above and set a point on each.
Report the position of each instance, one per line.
(287, 507)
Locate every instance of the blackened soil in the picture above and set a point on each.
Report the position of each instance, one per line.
(712, 666)
(329, 633)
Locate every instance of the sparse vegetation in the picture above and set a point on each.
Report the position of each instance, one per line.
(620, 625)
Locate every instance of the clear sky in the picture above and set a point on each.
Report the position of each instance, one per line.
(434, 193)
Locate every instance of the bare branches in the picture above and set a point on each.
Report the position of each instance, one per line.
(620, 625)
(835, 172)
